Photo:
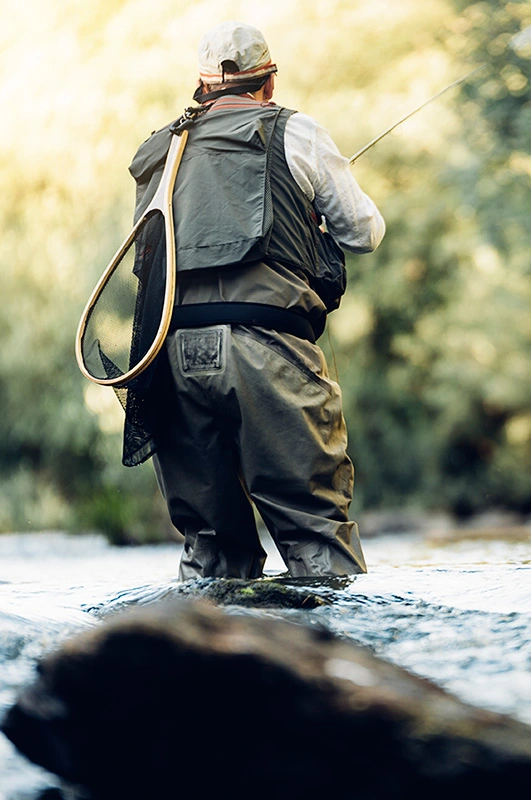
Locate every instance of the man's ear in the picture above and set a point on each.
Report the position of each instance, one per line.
(269, 87)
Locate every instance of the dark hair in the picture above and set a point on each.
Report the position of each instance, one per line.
(229, 87)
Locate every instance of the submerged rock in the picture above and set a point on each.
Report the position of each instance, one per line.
(262, 593)
(185, 698)
(288, 593)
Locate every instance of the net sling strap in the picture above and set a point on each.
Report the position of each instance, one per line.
(127, 317)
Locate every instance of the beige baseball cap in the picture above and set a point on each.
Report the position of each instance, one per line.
(236, 42)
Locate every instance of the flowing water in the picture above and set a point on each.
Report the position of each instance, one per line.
(455, 611)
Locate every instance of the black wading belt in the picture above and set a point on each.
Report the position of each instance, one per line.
(198, 315)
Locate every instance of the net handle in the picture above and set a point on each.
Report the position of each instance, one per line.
(162, 201)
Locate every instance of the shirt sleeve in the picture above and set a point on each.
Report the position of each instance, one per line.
(325, 177)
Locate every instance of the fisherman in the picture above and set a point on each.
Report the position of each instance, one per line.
(253, 420)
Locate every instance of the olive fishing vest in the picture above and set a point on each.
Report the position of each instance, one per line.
(235, 200)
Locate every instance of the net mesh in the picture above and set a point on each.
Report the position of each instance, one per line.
(120, 330)
(123, 322)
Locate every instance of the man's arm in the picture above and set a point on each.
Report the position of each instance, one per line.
(325, 177)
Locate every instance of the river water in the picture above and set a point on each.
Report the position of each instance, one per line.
(457, 611)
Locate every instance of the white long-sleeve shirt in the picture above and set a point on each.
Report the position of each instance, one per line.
(325, 177)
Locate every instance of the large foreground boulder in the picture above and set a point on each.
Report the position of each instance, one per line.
(187, 700)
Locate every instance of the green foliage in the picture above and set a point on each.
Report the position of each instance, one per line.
(438, 384)
(433, 338)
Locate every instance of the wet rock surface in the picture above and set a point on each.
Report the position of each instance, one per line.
(263, 593)
(185, 697)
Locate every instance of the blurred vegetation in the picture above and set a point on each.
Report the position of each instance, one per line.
(432, 341)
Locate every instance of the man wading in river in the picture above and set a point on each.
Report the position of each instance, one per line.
(253, 415)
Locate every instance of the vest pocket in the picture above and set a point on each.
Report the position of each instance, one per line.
(330, 278)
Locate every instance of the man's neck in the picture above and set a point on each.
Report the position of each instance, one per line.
(259, 95)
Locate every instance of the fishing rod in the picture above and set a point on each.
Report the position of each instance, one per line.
(407, 116)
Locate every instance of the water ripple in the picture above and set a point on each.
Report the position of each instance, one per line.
(458, 613)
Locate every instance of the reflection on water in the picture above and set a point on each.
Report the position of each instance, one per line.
(458, 612)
